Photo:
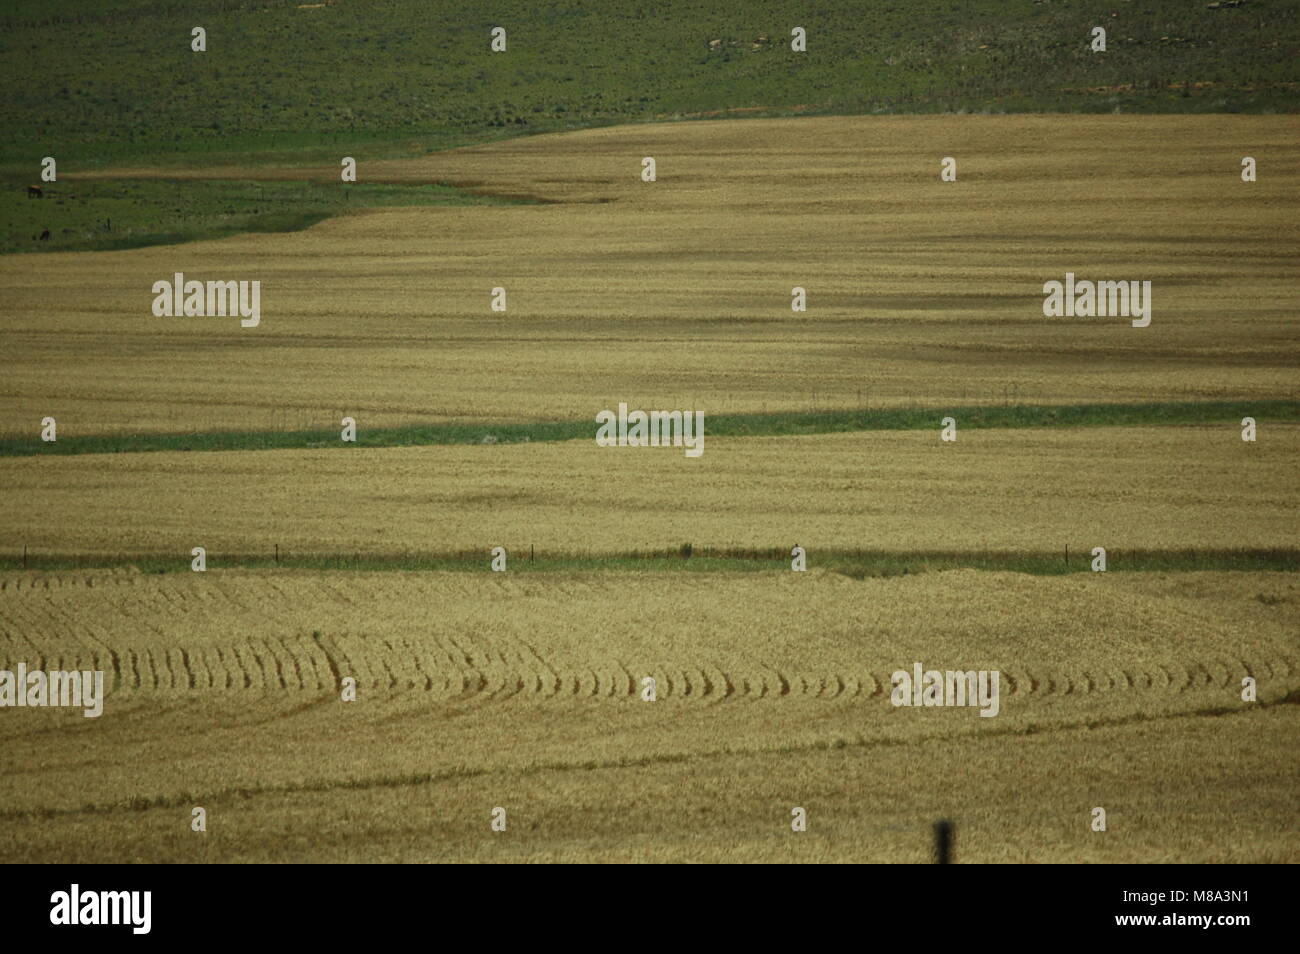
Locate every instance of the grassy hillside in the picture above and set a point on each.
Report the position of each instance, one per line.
(100, 81)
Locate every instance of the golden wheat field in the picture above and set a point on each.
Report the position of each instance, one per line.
(677, 293)
(1014, 489)
(524, 690)
(476, 691)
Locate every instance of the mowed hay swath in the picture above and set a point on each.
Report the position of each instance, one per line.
(527, 692)
(1029, 490)
(677, 293)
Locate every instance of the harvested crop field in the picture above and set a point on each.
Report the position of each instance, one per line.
(478, 691)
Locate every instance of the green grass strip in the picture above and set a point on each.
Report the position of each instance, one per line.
(856, 563)
(116, 214)
(725, 425)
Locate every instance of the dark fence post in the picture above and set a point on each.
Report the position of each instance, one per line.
(943, 839)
